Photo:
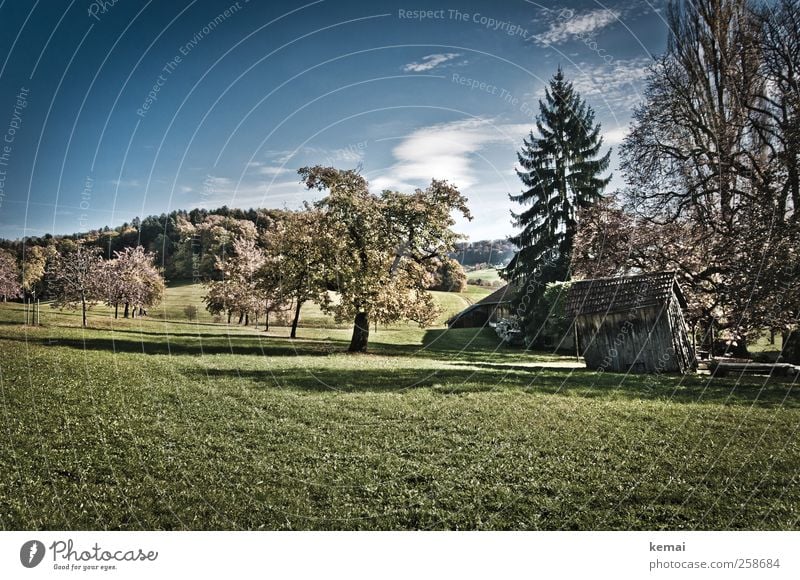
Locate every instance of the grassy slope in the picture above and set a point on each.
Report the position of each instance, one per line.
(174, 425)
(487, 275)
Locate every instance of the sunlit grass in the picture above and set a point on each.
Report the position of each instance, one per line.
(158, 423)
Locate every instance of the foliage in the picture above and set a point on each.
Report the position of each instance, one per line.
(34, 267)
(711, 164)
(190, 312)
(548, 316)
(237, 290)
(449, 276)
(9, 276)
(76, 278)
(132, 279)
(294, 265)
(382, 248)
(561, 173)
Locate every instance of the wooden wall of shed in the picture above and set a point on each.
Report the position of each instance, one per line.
(684, 354)
(639, 340)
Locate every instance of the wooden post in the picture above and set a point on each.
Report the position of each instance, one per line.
(577, 348)
(38, 313)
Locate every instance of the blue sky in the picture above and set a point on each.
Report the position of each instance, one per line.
(109, 110)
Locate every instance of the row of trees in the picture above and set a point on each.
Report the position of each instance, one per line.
(74, 275)
(364, 258)
(185, 243)
(712, 166)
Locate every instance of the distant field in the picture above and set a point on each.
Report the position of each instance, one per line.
(182, 294)
(161, 423)
(486, 275)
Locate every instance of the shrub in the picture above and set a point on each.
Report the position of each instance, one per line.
(190, 312)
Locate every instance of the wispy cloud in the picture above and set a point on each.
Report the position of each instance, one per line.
(567, 24)
(614, 136)
(617, 87)
(125, 182)
(430, 62)
(445, 151)
(291, 159)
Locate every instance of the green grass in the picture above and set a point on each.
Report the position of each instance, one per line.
(164, 424)
(487, 275)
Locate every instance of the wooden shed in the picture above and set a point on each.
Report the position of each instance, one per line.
(491, 308)
(632, 324)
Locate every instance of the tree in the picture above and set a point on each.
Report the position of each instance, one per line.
(449, 276)
(132, 279)
(75, 278)
(382, 248)
(34, 266)
(9, 276)
(237, 291)
(294, 266)
(561, 172)
(709, 163)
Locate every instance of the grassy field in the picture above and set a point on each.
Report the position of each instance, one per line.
(486, 275)
(161, 423)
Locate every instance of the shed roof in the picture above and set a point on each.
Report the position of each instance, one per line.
(502, 295)
(621, 294)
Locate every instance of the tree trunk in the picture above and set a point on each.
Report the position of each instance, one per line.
(230, 313)
(297, 319)
(246, 319)
(241, 318)
(266, 321)
(116, 310)
(360, 333)
(83, 308)
(125, 314)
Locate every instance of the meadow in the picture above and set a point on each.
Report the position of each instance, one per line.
(164, 423)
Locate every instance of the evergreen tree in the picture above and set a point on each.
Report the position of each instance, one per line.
(561, 171)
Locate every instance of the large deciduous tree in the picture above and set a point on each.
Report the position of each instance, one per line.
(710, 162)
(381, 249)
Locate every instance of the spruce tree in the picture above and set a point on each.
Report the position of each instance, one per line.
(561, 172)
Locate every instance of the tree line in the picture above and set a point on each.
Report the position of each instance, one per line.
(74, 275)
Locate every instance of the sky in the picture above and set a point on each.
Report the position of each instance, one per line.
(123, 108)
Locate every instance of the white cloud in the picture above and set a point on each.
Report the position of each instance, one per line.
(271, 170)
(617, 86)
(430, 62)
(568, 25)
(614, 136)
(218, 191)
(445, 151)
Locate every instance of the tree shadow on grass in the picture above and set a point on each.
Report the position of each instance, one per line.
(563, 382)
(219, 345)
